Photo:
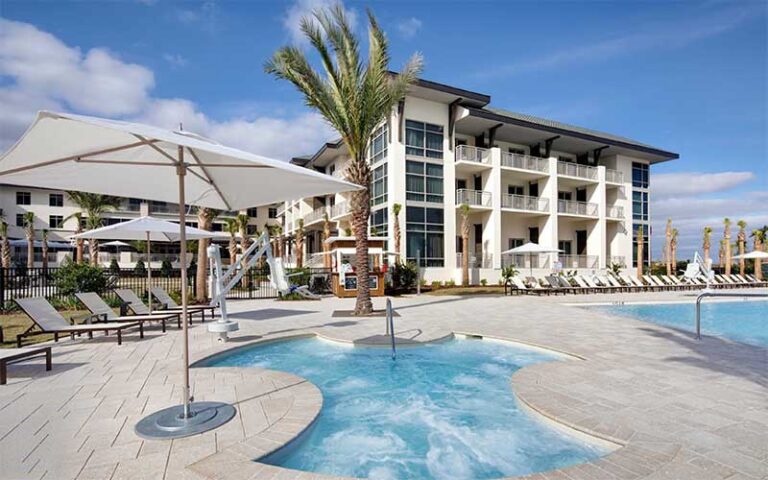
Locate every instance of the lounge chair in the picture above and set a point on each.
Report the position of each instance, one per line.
(554, 283)
(168, 303)
(585, 287)
(630, 280)
(615, 283)
(137, 307)
(99, 308)
(521, 287)
(566, 284)
(12, 355)
(597, 288)
(48, 320)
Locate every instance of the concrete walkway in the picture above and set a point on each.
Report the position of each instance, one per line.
(679, 408)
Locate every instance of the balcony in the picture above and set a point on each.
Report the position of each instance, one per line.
(616, 212)
(466, 153)
(569, 207)
(476, 261)
(473, 198)
(315, 215)
(575, 170)
(339, 210)
(570, 262)
(525, 261)
(614, 176)
(524, 162)
(524, 202)
(281, 210)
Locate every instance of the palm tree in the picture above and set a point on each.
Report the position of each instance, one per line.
(707, 244)
(232, 228)
(673, 250)
(640, 242)
(464, 210)
(45, 249)
(742, 242)
(300, 243)
(668, 246)
(242, 220)
(727, 237)
(29, 232)
(396, 208)
(280, 241)
(205, 218)
(79, 243)
(354, 98)
(326, 236)
(721, 254)
(94, 205)
(759, 237)
(5, 251)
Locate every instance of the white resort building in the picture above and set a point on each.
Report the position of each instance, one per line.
(524, 179)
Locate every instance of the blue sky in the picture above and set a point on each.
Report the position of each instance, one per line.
(686, 76)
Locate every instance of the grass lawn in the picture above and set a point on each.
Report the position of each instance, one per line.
(489, 290)
(15, 323)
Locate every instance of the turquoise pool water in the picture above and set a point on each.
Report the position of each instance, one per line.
(439, 411)
(741, 321)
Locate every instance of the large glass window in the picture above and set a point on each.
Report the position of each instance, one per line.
(56, 221)
(379, 220)
(423, 139)
(272, 212)
(640, 175)
(646, 244)
(56, 200)
(424, 235)
(23, 198)
(423, 182)
(639, 205)
(252, 212)
(378, 149)
(379, 185)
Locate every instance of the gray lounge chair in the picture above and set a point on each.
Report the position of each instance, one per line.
(48, 320)
(12, 355)
(168, 303)
(137, 307)
(99, 308)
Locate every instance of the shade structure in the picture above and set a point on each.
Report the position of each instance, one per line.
(148, 229)
(753, 255)
(116, 244)
(531, 248)
(39, 243)
(89, 154)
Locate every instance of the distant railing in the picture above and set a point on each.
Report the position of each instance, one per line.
(315, 215)
(281, 210)
(615, 212)
(576, 208)
(478, 198)
(468, 153)
(484, 260)
(614, 176)
(339, 210)
(575, 170)
(524, 202)
(524, 162)
(578, 261)
(524, 260)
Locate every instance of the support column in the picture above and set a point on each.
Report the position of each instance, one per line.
(494, 186)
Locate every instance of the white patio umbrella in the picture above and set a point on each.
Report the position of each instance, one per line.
(755, 254)
(148, 229)
(531, 248)
(73, 152)
(117, 244)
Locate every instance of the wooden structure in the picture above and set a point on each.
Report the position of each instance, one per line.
(341, 252)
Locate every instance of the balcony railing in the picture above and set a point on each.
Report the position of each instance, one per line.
(578, 261)
(620, 260)
(466, 153)
(524, 202)
(339, 210)
(614, 176)
(525, 261)
(576, 208)
(524, 162)
(281, 210)
(476, 261)
(615, 212)
(315, 215)
(575, 170)
(477, 198)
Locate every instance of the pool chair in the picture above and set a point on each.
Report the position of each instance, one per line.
(48, 320)
(104, 313)
(567, 285)
(523, 288)
(168, 303)
(615, 283)
(13, 355)
(556, 286)
(585, 287)
(591, 283)
(630, 280)
(137, 307)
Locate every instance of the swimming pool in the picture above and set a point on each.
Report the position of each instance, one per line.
(743, 321)
(439, 411)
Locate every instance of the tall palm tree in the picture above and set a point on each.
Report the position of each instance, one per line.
(727, 238)
(759, 237)
(668, 246)
(640, 257)
(45, 248)
(94, 206)
(242, 220)
(707, 244)
(5, 250)
(300, 243)
(79, 243)
(232, 227)
(721, 254)
(464, 210)
(29, 232)
(280, 241)
(742, 245)
(326, 236)
(396, 208)
(673, 250)
(205, 218)
(354, 98)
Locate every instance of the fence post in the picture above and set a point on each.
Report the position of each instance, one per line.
(2, 288)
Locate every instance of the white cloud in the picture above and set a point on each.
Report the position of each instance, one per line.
(685, 184)
(305, 8)
(45, 73)
(175, 60)
(409, 27)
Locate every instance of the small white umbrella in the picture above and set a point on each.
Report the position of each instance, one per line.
(117, 244)
(147, 229)
(755, 254)
(531, 248)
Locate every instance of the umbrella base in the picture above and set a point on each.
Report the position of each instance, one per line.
(170, 423)
(223, 328)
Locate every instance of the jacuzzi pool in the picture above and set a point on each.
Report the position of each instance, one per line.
(443, 410)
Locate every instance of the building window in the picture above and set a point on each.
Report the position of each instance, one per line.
(272, 212)
(423, 182)
(640, 175)
(56, 200)
(20, 220)
(23, 198)
(56, 221)
(134, 204)
(423, 139)
(379, 226)
(424, 235)
(252, 229)
(379, 185)
(515, 190)
(646, 245)
(565, 246)
(564, 196)
(252, 212)
(332, 169)
(217, 227)
(514, 243)
(378, 148)
(639, 205)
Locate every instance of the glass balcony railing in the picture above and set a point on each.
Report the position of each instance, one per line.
(477, 198)
(578, 261)
(615, 212)
(466, 153)
(571, 207)
(524, 202)
(614, 176)
(570, 169)
(524, 162)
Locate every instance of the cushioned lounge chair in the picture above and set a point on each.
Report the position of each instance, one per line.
(13, 355)
(98, 307)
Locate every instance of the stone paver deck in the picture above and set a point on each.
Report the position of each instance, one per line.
(677, 408)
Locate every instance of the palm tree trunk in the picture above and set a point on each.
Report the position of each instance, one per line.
(6, 252)
(397, 238)
(204, 220)
(93, 249)
(30, 250)
(758, 262)
(45, 254)
(728, 254)
(361, 210)
(742, 260)
(464, 260)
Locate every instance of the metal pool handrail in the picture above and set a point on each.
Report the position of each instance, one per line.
(703, 295)
(391, 326)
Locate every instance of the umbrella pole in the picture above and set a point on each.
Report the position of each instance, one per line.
(149, 274)
(181, 171)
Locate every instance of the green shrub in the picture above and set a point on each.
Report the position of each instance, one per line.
(140, 270)
(404, 277)
(508, 273)
(483, 282)
(73, 277)
(114, 267)
(299, 276)
(450, 283)
(436, 284)
(166, 268)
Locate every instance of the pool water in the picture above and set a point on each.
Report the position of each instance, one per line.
(743, 321)
(439, 411)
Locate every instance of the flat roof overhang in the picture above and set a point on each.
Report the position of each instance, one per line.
(475, 121)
